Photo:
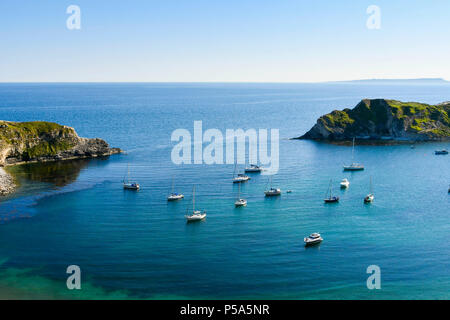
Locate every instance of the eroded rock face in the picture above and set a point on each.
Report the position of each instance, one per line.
(380, 119)
(45, 141)
(39, 141)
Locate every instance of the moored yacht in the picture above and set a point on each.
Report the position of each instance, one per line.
(354, 166)
(272, 191)
(329, 198)
(240, 178)
(128, 184)
(196, 215)
(312, 239)
(254, 168)
(240, 202)
(173, 196)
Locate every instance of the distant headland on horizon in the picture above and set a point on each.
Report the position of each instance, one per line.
(414, 80)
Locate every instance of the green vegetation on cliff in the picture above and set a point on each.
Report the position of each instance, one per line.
(39, 138)
(379, 118)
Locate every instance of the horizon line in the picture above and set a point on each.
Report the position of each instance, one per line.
(231, 82)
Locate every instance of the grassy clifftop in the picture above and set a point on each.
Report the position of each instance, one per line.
(39, 138)
(45, 141)
(385, 119)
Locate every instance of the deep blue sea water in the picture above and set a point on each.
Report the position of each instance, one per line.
(136, 245)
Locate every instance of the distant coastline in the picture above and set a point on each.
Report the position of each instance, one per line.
(394, 81)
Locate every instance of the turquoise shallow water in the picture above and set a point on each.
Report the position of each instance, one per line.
(136, 245)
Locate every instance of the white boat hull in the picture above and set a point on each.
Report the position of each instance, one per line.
(311, 242)
(240, 203)
(175, 197)
(195, 217)
(272, 193)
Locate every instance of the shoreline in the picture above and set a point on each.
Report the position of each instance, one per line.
(7, 183)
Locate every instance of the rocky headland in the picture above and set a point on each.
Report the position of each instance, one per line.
(39, 141)
(382, 119)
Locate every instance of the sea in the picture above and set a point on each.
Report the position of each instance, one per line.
(136, 245)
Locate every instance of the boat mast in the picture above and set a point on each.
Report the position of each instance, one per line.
(331, 186)
(353, 150)
(239, 191)
(193, 199)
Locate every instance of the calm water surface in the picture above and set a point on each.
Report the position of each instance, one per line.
(136, 245)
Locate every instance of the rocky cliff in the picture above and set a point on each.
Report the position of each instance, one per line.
(39, 141)
(381, 119)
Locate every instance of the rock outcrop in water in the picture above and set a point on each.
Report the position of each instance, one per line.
(381, 119)
(39, 141)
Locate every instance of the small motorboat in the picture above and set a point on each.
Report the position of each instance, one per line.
(345, 183)
(443, 151)
(329, 198)
(241, 178)
(254, 168)
(313, 239)
(289, 191)
(369, 198)
(196, 214)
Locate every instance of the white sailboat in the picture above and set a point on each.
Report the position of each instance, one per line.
(354, 166)
(196, 215)
(240, 202)
(254, 168)
(329, 198)
(240, 177)
(369, 198)
(173, 196)
(128, 184)
(272, 191)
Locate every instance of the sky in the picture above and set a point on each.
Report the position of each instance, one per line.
(223, 41)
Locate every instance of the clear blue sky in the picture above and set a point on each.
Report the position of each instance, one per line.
(227, 40)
